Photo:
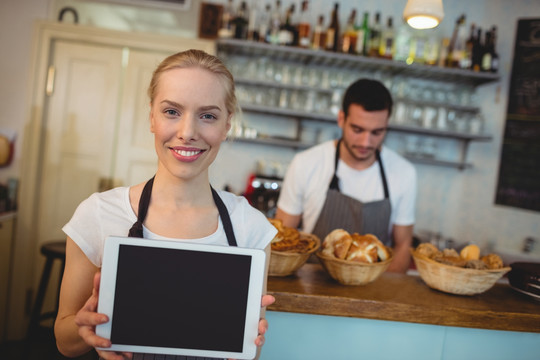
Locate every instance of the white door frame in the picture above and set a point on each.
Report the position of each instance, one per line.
(26, 247)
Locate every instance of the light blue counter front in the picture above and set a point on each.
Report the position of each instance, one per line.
(294, 336)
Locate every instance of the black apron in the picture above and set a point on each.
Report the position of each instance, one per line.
(137, 228)
(137, 231)
(344, 212)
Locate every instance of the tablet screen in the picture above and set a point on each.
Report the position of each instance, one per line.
(179, 298)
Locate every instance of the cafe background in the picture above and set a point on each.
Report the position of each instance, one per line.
(457, 204)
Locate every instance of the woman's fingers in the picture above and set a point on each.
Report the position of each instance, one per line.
(90, 337)
(263, 326)
(267, 300)
(110, 355)
(259, 341)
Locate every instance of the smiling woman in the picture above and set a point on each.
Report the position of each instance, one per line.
(189, 122)
(192, 103)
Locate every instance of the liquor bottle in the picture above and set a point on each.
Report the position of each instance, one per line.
(494, 53)
(477, 51)
(275, 24)
(466, 62)
(304, 27)
(386, 43)
(226, 29)
(459, 45)
(241, 22)
(418, 47)
(487, 54)
(264, 23)
(286, 31)
(319, 35)
(348, 43)
(332, 33)
(363, 36)
(293, 23)
(431, 47)
(455, 48)
(443, 52)
(253, 18)
(375, 36)
(403, 42)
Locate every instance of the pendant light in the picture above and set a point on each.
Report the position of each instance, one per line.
(423, 14)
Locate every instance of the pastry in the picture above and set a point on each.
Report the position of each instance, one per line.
(354, 247)
(290, 239)
(337, 243)
(476, 264)
(427, 249)
(449, 257)
(470, 252)
(493, 261)
(363, 249)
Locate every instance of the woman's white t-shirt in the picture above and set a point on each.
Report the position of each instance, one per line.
(110, 214)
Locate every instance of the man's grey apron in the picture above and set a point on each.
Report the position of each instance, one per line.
(136, 231)
(344, 212)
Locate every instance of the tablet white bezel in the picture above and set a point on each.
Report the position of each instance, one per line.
(108, 285)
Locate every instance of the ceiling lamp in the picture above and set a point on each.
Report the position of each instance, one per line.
(423, 14)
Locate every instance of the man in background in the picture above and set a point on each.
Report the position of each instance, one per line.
(355, 183)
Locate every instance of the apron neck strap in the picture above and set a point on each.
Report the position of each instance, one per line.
(225, 218)
(144, 202)
(383, 174)
(137, 228)
(334, 184)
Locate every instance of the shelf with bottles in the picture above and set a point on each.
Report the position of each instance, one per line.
(431, 149)
(329, 59)
(307, 85)
(457, 125)
(436, 162)
(275, 141)
(303, 91)
(467, 133)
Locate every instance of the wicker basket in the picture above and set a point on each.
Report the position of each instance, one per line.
(453, 279)
(352, 272)
(284, 263)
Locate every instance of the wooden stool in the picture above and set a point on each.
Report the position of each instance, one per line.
(55, 250)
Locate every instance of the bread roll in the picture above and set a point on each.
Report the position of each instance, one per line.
(427, 249)
(337, 243)
(363, 249)
(470, 252)
(476, 264)
(450, 253)
(493, 261)
(449, 259)
(382, 251)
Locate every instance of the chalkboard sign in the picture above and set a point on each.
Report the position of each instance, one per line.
(519, 169)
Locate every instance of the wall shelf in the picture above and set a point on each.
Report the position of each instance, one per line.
(233, 50)
(331, 59)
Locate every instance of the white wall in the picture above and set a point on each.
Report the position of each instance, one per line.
(16, 34)
(457, 203)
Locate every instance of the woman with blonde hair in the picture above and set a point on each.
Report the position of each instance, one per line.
(192, 103)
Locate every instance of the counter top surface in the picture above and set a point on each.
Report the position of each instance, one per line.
(406, 298)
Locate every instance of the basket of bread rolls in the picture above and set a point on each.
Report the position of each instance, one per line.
(290, 249)
(354, 259)
(467, 272)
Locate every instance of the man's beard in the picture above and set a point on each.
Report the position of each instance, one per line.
(362, 158)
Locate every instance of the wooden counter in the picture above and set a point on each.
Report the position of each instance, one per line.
(404, 298)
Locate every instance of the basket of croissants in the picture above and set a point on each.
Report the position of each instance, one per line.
(354, 259)
(467, 272)
(290, 249)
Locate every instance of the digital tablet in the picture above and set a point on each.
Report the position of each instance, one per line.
(179, 298)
